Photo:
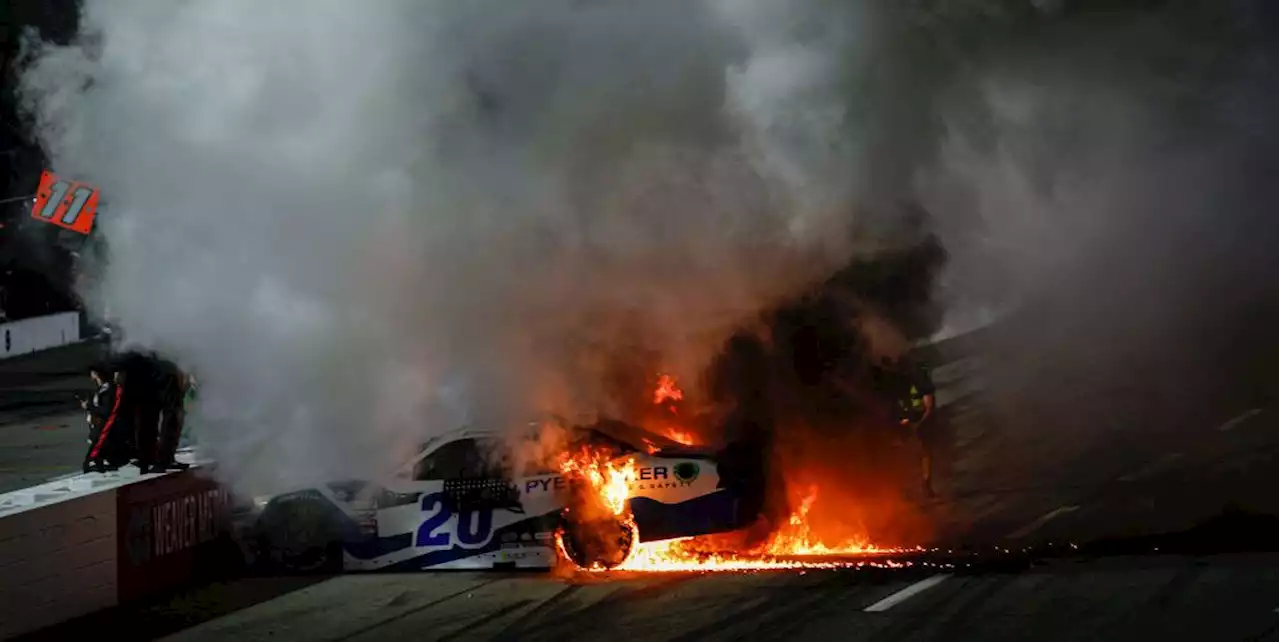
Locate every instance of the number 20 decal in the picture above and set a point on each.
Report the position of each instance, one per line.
(475, 527)
(65, 203)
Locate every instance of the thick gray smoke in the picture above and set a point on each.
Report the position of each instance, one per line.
(364, 227)
(360, 228)
(1119, 183)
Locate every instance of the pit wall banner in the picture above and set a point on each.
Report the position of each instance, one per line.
(68, 555)
(172, 530)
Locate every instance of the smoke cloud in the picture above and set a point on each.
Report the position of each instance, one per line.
(1103, 173)
(1118, 184)
(361, 228)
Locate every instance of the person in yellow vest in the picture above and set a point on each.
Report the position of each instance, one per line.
(915, 397)
(192, 389)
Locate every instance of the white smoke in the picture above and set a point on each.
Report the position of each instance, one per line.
(1115, 186)
(362, 227)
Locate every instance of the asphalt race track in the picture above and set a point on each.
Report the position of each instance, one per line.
(42, 429)
(1060, 530)
(1123, 598)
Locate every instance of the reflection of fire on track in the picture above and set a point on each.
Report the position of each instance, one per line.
(599, 530)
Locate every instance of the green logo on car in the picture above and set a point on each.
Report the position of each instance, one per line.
(686, 472)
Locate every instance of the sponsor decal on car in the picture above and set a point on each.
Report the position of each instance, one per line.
(647, 478)
(686, 471)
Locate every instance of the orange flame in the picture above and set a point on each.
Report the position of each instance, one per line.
(786, 548)
(680, 436)
(607, 487)
(608, 478)
(797, 538)
(667, 391)
(793, 545)
(683, 555)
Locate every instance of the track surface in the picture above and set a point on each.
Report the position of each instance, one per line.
(42, 430)
(1226, 598)
(1073, 472)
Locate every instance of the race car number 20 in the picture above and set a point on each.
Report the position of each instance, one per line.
(443, 528)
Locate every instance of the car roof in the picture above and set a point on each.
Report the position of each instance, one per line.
(457, 434)
(630, 435)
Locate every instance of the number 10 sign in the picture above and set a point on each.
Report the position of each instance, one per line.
(65, 203)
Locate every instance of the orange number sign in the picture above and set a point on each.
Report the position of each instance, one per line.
(65, 203)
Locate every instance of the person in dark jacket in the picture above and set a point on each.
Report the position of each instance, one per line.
(141, 403)
(173, 387)
(108, 430)
(914, 398)
(154, 399)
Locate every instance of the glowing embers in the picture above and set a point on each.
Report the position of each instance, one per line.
(685, 555)
(792, 546)
(600, 534)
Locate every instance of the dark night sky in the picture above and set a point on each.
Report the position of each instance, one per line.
(35, 270)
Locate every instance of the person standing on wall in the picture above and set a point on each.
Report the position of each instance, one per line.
(190, 393)
(141, 403)
(172, 415)
(107, 437)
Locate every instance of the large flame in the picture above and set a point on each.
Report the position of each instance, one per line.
(786, 548)
(608, 477)
(680, 436)
(667, 392)
(794, 544)
(603, 482)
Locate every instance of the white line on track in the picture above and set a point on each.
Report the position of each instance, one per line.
(906, 593)
(1041, 521)
(1239, 419)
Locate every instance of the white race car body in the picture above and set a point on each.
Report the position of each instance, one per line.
(436, 518)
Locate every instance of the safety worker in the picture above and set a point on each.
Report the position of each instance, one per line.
(191, 391)
(914, 396)
(172, 392)
(141, 404)
(108, 447)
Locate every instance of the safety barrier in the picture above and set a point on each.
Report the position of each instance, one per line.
(75, 546)
(38, 333)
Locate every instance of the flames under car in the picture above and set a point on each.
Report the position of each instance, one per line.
(447, 508)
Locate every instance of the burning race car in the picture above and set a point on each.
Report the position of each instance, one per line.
(450, 508)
